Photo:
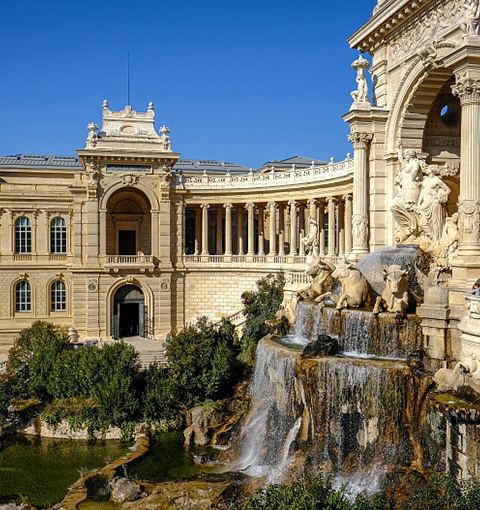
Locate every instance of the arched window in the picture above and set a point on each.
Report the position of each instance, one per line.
(23, 235)
(58, 236)
(23, 297)
(58, 297)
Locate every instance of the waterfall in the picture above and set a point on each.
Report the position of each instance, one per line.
(273, 423)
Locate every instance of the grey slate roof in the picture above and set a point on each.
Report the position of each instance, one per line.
(299, 161)
(54, 161)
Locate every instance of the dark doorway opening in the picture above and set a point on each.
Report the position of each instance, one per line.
(129, 314)
(129, 319)
(127, 242)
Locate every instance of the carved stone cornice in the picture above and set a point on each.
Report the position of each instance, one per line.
(468, 90)
(360, 140)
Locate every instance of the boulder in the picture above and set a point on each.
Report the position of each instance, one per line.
(325, 345)
(124, 489)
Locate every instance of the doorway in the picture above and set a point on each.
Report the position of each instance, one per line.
(128, 312)
(127, 242)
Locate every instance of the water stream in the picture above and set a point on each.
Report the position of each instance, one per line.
(345, 414)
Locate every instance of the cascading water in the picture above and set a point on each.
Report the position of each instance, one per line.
(273, 421)
(345, 414)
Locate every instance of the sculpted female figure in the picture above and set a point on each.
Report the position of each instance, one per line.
(404, 204)
(431, 211)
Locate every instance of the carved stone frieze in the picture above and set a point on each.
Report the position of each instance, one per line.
(360, 229)
(469, 222)
(437, 20)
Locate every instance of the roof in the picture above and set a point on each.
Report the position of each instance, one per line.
(59, 161)
(295, 160)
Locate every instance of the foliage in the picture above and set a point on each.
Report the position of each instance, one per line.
(259, 306)
(6, 395)
(203, 361)
(317, 493)
(158, 396)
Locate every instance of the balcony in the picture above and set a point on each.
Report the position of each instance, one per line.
(141, 263)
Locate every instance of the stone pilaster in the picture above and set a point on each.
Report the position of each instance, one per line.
(348, 223)
(273, 228)
(281, 230)
(219, 234)
(198, 230)
(331, 226)
(205, 208)
(293, 227)
(360, 143)
(261, 228)
(241, 231)
(302, 222)
(321, 228)
(251, 229)
(468, 90)
(228, 229)
(340, 212)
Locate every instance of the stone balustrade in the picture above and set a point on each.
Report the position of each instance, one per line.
(268, 179)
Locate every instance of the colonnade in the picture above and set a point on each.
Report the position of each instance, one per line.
(270, 230)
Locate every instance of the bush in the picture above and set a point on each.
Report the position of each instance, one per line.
(259, 306)
(6, 395)
(159, 402)
(203, 361)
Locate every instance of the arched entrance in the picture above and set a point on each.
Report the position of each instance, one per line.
(128, 312)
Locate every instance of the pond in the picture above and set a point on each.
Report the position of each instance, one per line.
(39, 471)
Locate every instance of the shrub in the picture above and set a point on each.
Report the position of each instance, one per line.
(259, 306)
(203, 361)
(158, 395)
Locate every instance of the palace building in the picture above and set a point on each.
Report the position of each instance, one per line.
(126, 239)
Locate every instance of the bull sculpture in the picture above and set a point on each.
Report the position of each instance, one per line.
(355, 288)
(321, 272)
(395, 295)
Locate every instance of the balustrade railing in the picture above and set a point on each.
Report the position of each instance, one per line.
(22, 257)
(267, 179)
(129, 259)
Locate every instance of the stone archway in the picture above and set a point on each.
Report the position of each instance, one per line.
(128, 314)
(128, 225)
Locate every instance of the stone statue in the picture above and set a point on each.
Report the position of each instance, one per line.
(404, 204)
(355, 288)
(394, 297)
(360, 96)
(310, 241)
(321, 272)
(471, 25)
(434, 193)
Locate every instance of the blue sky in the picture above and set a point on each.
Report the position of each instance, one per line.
(243, 81)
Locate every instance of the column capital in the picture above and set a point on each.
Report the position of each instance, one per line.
(347, 197)
(360, 140)
(272, 205)
(312, 201)
(467, 90)
(250, 206)
(228, 206)
(205, 206)
(331, 200)
(293, 203)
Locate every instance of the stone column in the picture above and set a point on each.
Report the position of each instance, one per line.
(331, 226)
(348, 224)
(360, 143)
(241, 231)
(340, 212)
(219, 236)
(103, 232)
(321, 228)
(205, 208)
(273, 228)
(261, 228)
(293, 227)
(303, 223)
(281, 230)
(468, 90)
(198, 230)
(228, 229)
(251, 229)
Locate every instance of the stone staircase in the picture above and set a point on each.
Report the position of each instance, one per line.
(149, 357)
